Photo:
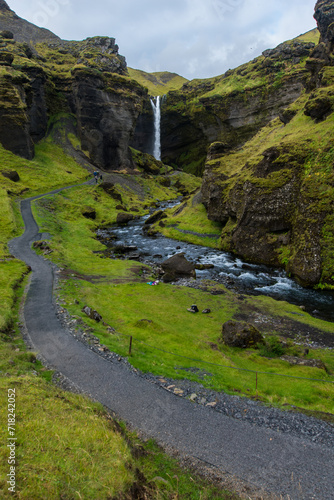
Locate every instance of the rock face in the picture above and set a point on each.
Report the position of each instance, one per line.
(93, 88)
(198, 114)
(268, 212)
(23, 30)
(239, 334)
(106, 117)
(324, 15)
(4, 6)
(176, 267)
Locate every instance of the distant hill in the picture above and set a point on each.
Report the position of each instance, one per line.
(158, 83)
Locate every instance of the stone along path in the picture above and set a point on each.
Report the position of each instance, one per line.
(276, 464)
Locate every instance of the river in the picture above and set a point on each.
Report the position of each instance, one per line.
(228, 269)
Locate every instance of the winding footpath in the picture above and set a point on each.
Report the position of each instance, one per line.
(260, 459)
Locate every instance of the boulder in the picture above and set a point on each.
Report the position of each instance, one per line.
(6, 59)
(123, 218)
(110, 189)
(178, 266)
(318, 108)
(203, 267)
(89, 213)
(324, 15)
(92, 314)
(11, 174)
(155, 217)
(240, 334)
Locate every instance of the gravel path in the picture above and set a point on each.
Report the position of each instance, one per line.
(266, 453)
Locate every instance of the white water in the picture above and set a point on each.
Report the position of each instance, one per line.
(157, 127)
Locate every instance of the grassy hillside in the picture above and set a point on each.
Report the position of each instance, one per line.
(158, 83)
(144, 311)
(234, 106)
(67, 446)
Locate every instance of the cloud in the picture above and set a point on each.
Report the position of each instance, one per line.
(194, 38)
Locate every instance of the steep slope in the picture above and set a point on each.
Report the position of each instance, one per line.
(23, 30)
(275, 195)
(232, 107)
(87, 81)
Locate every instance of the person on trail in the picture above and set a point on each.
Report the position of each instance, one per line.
(101, 178)
(96, 177)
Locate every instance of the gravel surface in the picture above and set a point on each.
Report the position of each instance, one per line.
(240, 408)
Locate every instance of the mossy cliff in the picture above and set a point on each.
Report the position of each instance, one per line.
(275, 194)
(233, 107)
(47, 76)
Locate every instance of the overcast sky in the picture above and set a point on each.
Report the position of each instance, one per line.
(194, 38)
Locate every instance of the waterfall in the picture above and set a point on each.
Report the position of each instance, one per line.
(157, 127)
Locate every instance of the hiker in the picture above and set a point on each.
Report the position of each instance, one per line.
(97, 177)
(101, 178)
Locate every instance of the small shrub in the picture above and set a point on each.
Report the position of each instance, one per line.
(272, 348)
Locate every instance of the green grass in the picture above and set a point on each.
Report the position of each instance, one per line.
(145, 313)
(158, 83)
(67, 446)
(118, 290)
(193, 218)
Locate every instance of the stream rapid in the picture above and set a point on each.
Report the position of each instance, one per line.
(229, 270)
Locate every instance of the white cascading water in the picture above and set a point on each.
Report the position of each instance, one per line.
(157, 127)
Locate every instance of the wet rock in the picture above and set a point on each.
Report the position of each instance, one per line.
(202, 267)
(240, 334)
(124, 218)
(155, 217)
(177, 266)
(125, 249)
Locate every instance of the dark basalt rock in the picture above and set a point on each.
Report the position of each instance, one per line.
(7, 34)
(11, 174)
(318, 108)
(178, 266)
(89, 213)
(91, 313)
(239, 334)
(110, 189)
(286, 115)
(155, 217)
(4, 5)
(324, 15)
(123, 218)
